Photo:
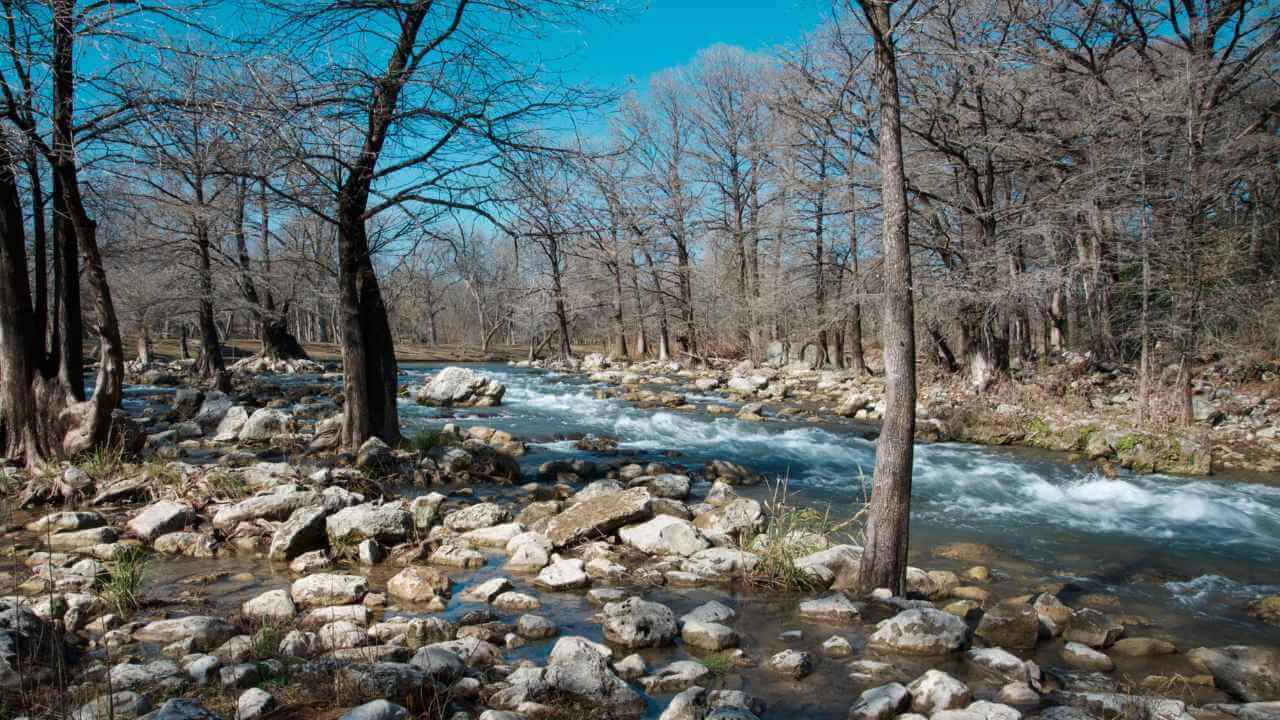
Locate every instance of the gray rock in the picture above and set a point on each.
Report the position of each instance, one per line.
(215, 407)
(1083, 657)
(229, 427)
(563, 575)
(123, 705)
(920, 631)
(636, 623)
(598, 517)
(388, 524)
(273, 606)
(254, 703)
(935, 691)
(664, 535)
(202, 631)
(1093, 628)
(417, 584)
(736, 516)
(161, 517)
(881, 703)
(794, 664)
(328, 589)
(535, 627)
(708, 635)
(1010, 625)
(836, 609)
(264, 424)
(578, 668)
(181, 709)
(376, 710)
(455, 386)
(675, 677)
(302, 532)
(1248, 672)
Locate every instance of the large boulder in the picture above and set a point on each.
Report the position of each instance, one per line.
(920, 631)
(279, 503)
(664, 535)
(389, 524)
(636, 623)
(455, 386)
(417, 584)
(202, 631)
(264, 424)
(1010, 625)
(1249, 672)
(215, 407)
(302, 532)
(324, 589)
(598, 517)
(579, 669)
(737, 516)
(160, 518)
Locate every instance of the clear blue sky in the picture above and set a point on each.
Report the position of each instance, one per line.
(668, 33)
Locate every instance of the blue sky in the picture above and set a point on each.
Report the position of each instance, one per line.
(670, 32)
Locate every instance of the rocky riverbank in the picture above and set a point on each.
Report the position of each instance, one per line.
(238, 568)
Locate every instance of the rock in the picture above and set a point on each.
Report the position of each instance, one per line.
(981, 710)
(203, 668)
(563, 575)
(158, 674)
(1248, 672)
(302, 532)
(376, 710)
(708, 635)
(881, 703)
(935, 691)
(668, 485)
(263, 424)
(441, 666)
(1266, 609)
(455, 386)
(80, 539)
(406, 682)
(388, 524)
(677, 676)
(1004, 665)
(836, 609)
(578, 668)
(1018, 694)
(161, 517)
(273, 606)
(370, 553)
(202, 631)
(456, 556)
(720, 564)
(122, 705)
(311, 562)
(794, 664)
(852, 402)
(425, 510)
(1143, 647)
(229, 427)
(65, 521)
(1083, 657)
(254, 703)
(374, 453)
(279, 503)
(496, 536)
(418, 584)
(736, 516)
(598, 517)
(215, 407)
(188, 544)
(636, 623)
(1053, 614)
(486, 591)
(664, 535)
(341, 635)
(1093, 628)
(181, 709)
(837, 647)
(475, 517)
(1010, 625)
(920, 631)
(327, 589)
(535, 627)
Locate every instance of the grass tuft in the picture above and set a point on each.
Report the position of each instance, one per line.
(122, 589)
(792, 533)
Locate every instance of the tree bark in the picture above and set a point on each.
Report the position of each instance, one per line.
(884, 559)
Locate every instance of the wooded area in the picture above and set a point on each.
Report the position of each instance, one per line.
(1079, 175)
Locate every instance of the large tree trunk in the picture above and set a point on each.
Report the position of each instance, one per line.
(368, 355)
(884, 559)
(209, 364)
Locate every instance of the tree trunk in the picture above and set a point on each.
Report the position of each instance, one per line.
(619, 322)
(144, 344)
(210, 363)
(884, 559)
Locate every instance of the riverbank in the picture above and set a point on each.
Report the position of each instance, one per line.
(478, 572)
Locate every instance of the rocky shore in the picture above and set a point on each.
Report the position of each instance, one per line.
(232, 565)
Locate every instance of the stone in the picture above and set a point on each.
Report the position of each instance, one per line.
(664, 535)
(376, 710)
(920, 631)
(708, 635)
(456, 556)
(425, 510)
(187, 544)
(668, 485)
(735, 517)
(598, 517)
(578, 667)
(279, 503)
(341, 635)
(388, 524)
(1052, 613)
(302, 532)
(516, 601)
(563, 575)
(160, 518)
(794, 664)
(720, 564)
(1248, 672)
(496, 536)
(181, 709)
(881, 703)
(834, 609)
(122, 705)
(1083, 657)
(1143, 647)
(981, 710)
(837, 647)
(370, 553)
(157, 674)
(675, 677)
(710, 611)
(202, 631)
(1093, 628)
(254, 703)
(264, 424)
(1010, 625)
(203, 668)
(455, 386)
(273, 606)
(440, 666)
(1003, 664)
(374, 453)
(486, 591)
(215, 407)
(328, 589)
(64, 521)
(637, 623)
(418, 584)
(478, 516)
(229, 427)
(935, 691)
(81, 539)
(535, 627)
(1018, 694)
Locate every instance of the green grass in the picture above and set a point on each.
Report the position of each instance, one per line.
(792, 533)
(1038, 428)
(122, 589)
(717, 662)
(100, 462)
(226, 486)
